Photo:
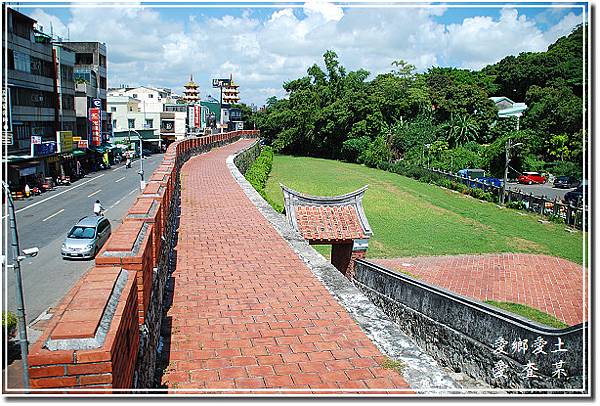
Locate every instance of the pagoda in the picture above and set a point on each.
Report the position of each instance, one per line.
(191, 91)
(231, 92)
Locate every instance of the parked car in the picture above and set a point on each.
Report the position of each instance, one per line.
(566, 182)
(575, 196)
(86, 237)
(471, 173)
(529, 178)
(491, 181)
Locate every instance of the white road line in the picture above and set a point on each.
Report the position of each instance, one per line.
(58, 194)
(120, 179)
(55, 214)
(97, 191)
(133, 191)
(115, 203)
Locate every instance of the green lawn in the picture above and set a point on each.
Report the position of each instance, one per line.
(529, 313)
(410, 218)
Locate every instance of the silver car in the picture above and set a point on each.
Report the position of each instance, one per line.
(86, 237)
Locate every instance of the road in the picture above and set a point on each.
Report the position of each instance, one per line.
(540, 190)
(43, 222)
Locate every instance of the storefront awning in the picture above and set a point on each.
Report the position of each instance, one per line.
(78, 152)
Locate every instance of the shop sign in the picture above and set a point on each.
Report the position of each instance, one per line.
(44, 149)
(168, 126)
(64, 141)
(7, 135)
(95, 126)
(76, 139)
(221, 82)
(27, 171)
(191, 118)
(82, 144)
(197, 115)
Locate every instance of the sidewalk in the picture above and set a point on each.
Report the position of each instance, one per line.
(247, 313)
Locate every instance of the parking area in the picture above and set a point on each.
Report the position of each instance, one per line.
(546, 190)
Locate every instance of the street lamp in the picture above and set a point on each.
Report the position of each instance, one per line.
(141, 171)
(509, 146)
(16, 265)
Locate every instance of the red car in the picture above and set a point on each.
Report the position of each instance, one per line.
(530, 178)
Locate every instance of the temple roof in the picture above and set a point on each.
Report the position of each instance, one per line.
(327, 218)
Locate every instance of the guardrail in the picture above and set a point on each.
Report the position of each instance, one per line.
(571, 215)
(104, 335)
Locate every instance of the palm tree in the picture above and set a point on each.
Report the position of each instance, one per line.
(463, 128)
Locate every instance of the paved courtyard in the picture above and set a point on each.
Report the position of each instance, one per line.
(550, 284)
(247, 313)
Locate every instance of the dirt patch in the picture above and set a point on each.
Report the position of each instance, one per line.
(522, 244)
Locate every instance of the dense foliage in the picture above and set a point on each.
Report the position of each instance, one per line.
(258, 173)
(443, 117)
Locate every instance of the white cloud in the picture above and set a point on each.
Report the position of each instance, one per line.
(146, 47)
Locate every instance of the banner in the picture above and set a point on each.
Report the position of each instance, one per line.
(64, 141)
(95, 126)
(221, 82)
(191, 118)
(197, 115)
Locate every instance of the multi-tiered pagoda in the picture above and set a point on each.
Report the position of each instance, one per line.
(231, 92)
(191, 91)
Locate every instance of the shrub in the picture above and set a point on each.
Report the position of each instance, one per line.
(518, 205)
(377, 153)
(352, 148)
(258, 173)
(9, 320)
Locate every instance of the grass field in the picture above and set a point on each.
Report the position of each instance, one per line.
(529, 313)
(410, 218)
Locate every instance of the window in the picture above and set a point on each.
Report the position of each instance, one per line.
(22, 62)
(32, 98)
(134, 95)
(84, 58)
(102, 60)
(114, 123)
(149, 123)
(66, 73)
(102, 82)
(150, 96)
(113, 109)
(21, 27)
(68, 102)
(131, 122)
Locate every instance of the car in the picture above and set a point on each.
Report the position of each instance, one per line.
(529, 178)
(491, 181)
(85, 238)
(566, 182)
(575, 196)
(471, 173)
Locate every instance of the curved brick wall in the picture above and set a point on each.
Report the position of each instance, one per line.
(104, 333)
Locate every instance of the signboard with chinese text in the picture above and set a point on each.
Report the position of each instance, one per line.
(82, 144)
(64, 141)
(191, 118)
(197, 115)
(95, 126)
(221, 82)
(44, 149)
(7, 134)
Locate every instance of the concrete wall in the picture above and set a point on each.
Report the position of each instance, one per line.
(105, 333)
(463, 334)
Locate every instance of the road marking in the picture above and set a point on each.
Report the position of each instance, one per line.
(58, 194)
(55, 214)
(133, 191)
(120, 179)
(97, 191)
(115, 203)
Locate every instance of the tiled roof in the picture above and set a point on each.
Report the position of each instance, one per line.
(327, 218)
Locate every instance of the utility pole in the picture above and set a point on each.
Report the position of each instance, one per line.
(507, 160)
(16, 265)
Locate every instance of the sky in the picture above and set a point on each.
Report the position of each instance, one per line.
(265, 46)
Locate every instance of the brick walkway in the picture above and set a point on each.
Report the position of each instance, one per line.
(247, 313)
(550, 284)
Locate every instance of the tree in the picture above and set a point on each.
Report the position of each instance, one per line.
(463, 128)
(558, 146)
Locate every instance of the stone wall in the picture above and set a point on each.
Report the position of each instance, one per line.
(245, 160)
(105, 333)
(470, 336)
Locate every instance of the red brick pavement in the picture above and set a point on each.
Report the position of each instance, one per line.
(247, 313)
(550, 284)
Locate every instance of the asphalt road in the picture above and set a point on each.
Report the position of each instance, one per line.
(540, 190)
(43, 221)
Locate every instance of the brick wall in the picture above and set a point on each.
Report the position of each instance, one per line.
(93, 341)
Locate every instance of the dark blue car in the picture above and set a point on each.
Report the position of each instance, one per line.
(489, 181)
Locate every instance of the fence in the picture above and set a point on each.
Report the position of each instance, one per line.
(571, 215)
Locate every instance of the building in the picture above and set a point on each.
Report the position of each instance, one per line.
(129, 116)
(231, 92)
(152, 99)
(508, 108)
(191, 91)
(30, 106)
(90, 73)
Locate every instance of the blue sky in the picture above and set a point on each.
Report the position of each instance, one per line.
(263, 47)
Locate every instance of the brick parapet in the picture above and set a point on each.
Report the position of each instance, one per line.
(134, 250)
